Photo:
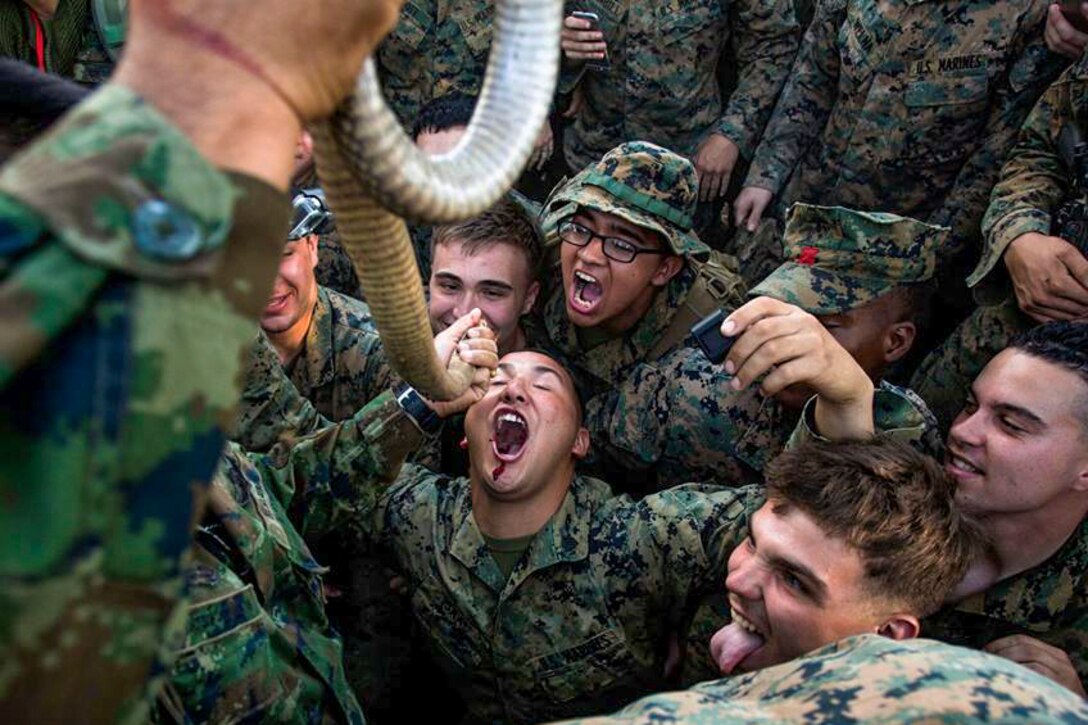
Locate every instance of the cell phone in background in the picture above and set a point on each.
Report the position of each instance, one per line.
(597, 64)
(1072, 12)
(708, 333)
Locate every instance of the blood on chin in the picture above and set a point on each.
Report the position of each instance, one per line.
(731, 645)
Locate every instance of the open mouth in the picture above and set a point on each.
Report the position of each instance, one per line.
(510, 435)
(585, 292)
(276, 303)
(733, 643)
(959, 464)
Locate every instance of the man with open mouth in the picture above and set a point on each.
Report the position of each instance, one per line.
(1018, 453)
(629, 276)
(544, 595)
(866, 277)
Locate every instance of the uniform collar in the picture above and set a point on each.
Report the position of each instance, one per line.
(1049, 587)
(608, 360)
(316, 365)
(564, 538)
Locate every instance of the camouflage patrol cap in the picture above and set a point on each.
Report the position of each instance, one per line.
(644, 184)
(839, 259)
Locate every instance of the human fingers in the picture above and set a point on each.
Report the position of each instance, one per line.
(577, 100)
(777, 341)
(480, 352)
(751, 203)
(750, 312)
(766, 342)
(709, 184)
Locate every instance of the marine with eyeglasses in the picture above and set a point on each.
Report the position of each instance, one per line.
(628, 274)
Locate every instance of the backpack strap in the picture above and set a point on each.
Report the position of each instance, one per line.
(717, 286)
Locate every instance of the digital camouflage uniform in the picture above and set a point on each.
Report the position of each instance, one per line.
(681, 417)
(257, 645)
(662, 85)
(869, 679)
(73, 46)
(335, 269)
(905, 106)
(1048, 602)
(132, 277)
(702, 429)
(582, 623)
(438, 47)
(340, 368)
(1035, 180)
(655, 189)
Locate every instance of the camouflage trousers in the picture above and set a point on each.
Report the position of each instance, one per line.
(945, 375)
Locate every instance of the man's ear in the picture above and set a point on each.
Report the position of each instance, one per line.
(530, 298)
(311, 248)
(898, 340)
(1081, 484)
(900, 626)
(581, 444)
(670, 266)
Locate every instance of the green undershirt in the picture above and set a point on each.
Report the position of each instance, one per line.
(507, 552)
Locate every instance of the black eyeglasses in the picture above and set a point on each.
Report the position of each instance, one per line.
(614, 248)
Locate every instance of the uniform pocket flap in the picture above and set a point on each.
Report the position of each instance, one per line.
(947, 91)
(216, 619)
(678, 20)
(591, 665)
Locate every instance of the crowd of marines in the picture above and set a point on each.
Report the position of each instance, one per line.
(872, 508)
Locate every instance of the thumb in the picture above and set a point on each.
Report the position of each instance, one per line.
(465, 323)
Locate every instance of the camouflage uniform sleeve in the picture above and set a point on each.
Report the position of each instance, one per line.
(686, 534)
(336, 474)
(805, 103)
(404, 60)
(1033, 180)
(868, 679)
(766, 35)
(898, 414)
(965, 204)
(272, 410)
(131, 273)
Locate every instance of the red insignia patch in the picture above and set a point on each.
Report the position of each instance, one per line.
(808, 255)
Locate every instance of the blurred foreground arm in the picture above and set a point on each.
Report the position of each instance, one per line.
(138, 242)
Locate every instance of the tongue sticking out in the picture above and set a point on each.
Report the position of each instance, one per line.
(731, 644)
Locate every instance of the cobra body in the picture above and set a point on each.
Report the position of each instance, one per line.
(374, 176)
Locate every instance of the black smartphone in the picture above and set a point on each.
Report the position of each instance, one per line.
(597, 64)
(708, 333)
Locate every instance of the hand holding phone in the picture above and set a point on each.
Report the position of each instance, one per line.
(582, 40)
(708, 333)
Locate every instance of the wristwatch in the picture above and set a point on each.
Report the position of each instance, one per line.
(417, 409)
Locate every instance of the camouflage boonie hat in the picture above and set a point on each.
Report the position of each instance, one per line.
(839, 259)
(645, 184)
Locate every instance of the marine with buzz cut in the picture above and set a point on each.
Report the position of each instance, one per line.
(1018, 452)
(542, 594)
(864, 277)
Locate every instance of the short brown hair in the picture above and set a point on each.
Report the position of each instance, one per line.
(892, 504)
(507, 222)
